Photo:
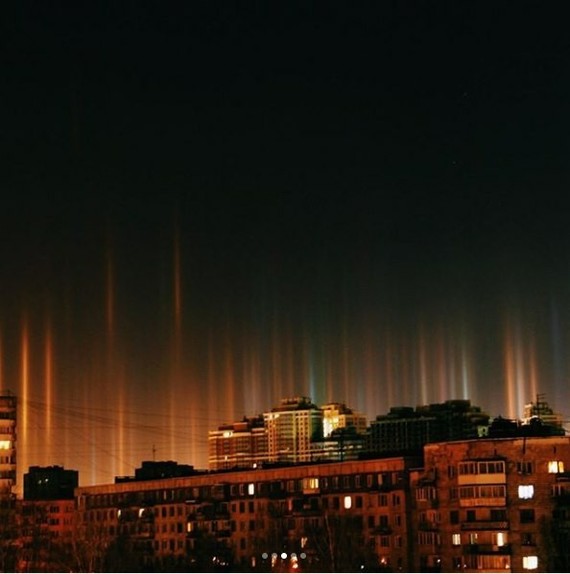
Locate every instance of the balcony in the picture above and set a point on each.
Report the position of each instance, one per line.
(486, 525)
(428, 525)
(487, 549)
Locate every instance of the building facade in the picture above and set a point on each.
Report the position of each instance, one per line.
(242, 444)
(476, 505)
(303, 517)
(493, 505)
(8, 420)
(291, 428)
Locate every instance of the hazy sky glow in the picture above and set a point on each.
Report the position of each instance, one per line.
(212, 209)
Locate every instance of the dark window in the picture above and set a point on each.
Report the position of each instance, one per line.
(527, 515)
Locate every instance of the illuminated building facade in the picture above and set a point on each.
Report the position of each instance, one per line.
(8, 420)
(541, 411)
(291, 427)
(338, 415)
(241, 444)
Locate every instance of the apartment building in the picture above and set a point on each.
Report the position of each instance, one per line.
(476, 505)
(242, 444)
(299, 516)
(493, 505)
(291, 428)
(8, 420)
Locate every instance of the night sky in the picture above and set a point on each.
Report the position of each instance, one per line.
(208, 206)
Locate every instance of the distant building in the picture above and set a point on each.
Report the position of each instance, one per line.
(291, 428)
(541, 410)
(50, 483)
(407, 430)
(8, 420)
(152, 470)
(242, 444)
(338, 415)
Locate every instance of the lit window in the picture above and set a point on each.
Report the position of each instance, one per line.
(347, 502)
(456, 539)
(500, 538)
(5, 444)
(555, 466)
(251, 488)
(526, 490)
(530, 562)
(311, 483)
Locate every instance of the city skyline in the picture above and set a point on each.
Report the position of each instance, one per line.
(209, 208)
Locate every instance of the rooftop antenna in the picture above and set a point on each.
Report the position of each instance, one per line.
(153, 453)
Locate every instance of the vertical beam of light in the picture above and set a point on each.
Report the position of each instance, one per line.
(376, 385)
(345, 365)
(509, 367)
(452, 362)
(109, 293)
(257, 399)
(177, 288)
(514, 369)
(393, 397)
(287, 364)
(465, 392)
(441, 366)
(122, 447)
(423, 366)
(48, 378)
(24, 393)
(404, 375)
(275, 373)
(532, 369)
(228, 376)
(309, 362)
(176, 373)
(520, 373)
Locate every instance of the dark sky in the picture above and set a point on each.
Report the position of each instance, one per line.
(208, 206)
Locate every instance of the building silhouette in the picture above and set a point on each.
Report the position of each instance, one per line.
(407, 430)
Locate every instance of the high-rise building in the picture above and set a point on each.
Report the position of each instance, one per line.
(338, 415)
(541, 411)
(8, 419)
(242, 444)
(291, 428)
(404, 429)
